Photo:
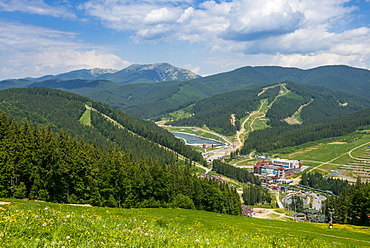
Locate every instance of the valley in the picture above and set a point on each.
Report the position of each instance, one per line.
(62, 147)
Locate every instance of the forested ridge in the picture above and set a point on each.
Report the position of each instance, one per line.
(319, 103)
(270, 139)
(147, 100)
(215, 112)
(62, 110)
(39, 164)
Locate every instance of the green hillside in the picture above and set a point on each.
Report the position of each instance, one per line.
(337, 77)
(270, 139)
(167, 97)
(62, 111)
(41, 165)
(287, 102)
(147, 99)
(38, 224)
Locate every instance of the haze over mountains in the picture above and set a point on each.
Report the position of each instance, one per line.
(147, 90)
(133, 74)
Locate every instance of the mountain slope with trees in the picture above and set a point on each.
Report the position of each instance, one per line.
(270, 139)
(215, 112)
(62, 111)
(38, 164)
(164, 97)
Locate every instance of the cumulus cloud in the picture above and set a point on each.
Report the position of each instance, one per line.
(213, 22)
(38, 7)
(253, 20)
(280, 32)
(28, 50)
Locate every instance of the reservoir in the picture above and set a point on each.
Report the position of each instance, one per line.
(193, 140)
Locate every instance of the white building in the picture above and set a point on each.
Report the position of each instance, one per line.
(286, 163)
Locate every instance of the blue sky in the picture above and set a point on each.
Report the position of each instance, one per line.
(40, 37)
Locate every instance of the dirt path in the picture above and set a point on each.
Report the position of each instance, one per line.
(268, 213)
(350, 152)
(294, 118)
(255, 115)
(330, 161)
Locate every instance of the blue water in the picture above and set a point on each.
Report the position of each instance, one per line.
(193, 140)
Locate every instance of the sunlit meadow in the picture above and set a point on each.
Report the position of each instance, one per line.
(38, 224)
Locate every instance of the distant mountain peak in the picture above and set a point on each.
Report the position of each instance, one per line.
(99, 71)
(165, 71)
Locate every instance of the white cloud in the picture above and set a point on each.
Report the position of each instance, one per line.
(162, 15)
(38, 7)
(253, 20)
(314, 60)
(235, 32)
(28, 50)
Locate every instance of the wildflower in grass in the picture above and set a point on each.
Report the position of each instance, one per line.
(68, 237)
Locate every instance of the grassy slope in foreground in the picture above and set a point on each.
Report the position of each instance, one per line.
(37, 224)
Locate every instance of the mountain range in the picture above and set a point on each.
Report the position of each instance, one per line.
(145, 90)
(135, 73)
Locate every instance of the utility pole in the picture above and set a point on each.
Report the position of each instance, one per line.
(331, 212)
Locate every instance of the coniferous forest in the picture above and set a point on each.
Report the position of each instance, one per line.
(39, 164)
(351, 206)
(239, 174)
(254, 194)
(317, 181)
(349, 203)
(62, 110)
(270, 139)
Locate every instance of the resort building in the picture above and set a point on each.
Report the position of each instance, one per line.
(277, 168)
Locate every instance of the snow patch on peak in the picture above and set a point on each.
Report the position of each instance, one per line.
(98, 71)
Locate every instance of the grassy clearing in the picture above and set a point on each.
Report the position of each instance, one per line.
(86, 118)
(179, 114)
(39, 224)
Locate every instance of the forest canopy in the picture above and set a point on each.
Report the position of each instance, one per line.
(38, 164)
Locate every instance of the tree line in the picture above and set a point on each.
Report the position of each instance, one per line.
(215, 112)
(39, 164)
(254, 194)
(352, 206)
(149, 131)
(317, 181)
(239, 174)
(62, 110)
(270, 139)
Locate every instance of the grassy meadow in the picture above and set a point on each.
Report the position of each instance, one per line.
(26, 223)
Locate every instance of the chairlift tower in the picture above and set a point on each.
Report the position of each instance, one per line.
(331, 212)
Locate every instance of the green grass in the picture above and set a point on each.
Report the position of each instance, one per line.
(86, 118)
(179, 114)
(40, 224)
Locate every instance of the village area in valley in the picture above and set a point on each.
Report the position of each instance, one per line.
(276, 175)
